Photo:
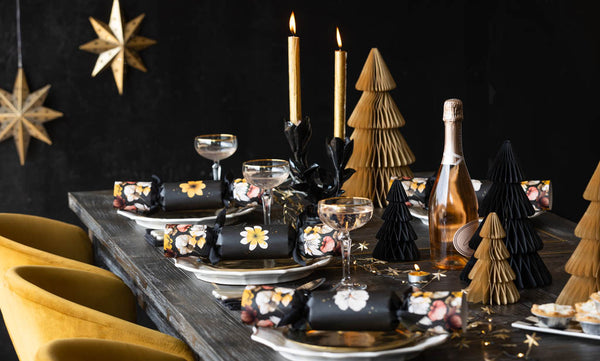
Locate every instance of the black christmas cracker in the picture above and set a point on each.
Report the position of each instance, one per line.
(354, 309)
(146, 197)
(248, 241)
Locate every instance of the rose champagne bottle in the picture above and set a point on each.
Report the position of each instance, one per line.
(452, 203)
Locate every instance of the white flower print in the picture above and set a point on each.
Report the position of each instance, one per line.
(312, 244)
(265, 303)
(440, 294)
(182, 242)
(198, 230)
(356, 300)
(240, 191)
(419, 305)
(130, 192)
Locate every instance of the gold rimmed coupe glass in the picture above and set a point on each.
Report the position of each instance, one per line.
(266, 174)
(216, 147)
(345, 214)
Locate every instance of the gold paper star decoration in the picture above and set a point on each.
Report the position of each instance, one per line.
(22, 115)
(117, 44)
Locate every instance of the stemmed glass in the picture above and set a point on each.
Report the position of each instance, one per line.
(216, 147)
(266, 174)
(345, 214)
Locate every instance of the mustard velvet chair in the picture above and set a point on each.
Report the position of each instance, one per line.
(32, 240)
(91, 349)
(47, 303)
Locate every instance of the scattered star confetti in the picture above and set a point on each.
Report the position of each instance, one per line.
(531, 340)
(362, 246)
(502, 336)
(455, 334)
(438, 275)
(487, 310)
(464, 343)
(392, 271)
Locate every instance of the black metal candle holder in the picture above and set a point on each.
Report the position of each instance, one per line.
(312, 180)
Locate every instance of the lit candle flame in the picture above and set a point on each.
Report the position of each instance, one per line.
(417, 267)
(338, 36)
(293, 23)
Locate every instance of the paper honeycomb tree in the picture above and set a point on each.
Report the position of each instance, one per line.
(380, 151)
(396, 236)
(584, 263)
(507, 198)
(492, 277)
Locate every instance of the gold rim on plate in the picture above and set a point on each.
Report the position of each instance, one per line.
(352, 341)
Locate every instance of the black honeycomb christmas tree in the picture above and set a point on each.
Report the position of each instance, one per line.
(396, 236)
(507, 198)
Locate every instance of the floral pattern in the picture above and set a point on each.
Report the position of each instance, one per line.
(255, 236)
(356, 300)
(441, 310)
(132, 196)
(244, 192)
(539, 194)
(265, 306)
(319, 240)
(185, 240)
(192, 188)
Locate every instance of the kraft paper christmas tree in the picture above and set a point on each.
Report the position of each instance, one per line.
(584, 264)
(492, 277)
(396, 236)
(507, 198)
(380, 151)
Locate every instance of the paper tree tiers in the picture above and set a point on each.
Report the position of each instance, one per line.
(584, 264)
(22, 115)
(492, 277)
(507, 198)
(117, 44)
(380, 151)
(396, 236)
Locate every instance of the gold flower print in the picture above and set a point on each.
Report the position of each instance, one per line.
(255, 236)
(117, 190)
(247, 297)
(192, 188)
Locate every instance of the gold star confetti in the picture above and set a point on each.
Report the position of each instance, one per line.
(22, 115)
(531, 340)
(455, 334)
(438, 275)
(362, 246)
(502, 336)
(464, 343)
(392, 272)
(487, 310)
(117, 44)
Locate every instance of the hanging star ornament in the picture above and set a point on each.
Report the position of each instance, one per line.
(22, 115)
(117, 44)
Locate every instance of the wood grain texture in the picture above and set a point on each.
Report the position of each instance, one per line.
(183, 306)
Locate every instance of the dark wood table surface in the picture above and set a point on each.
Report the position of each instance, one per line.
(183, 306)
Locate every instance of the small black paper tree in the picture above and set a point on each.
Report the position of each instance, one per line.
(507, 198)
(396, 236)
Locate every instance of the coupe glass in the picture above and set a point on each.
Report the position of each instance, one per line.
(266, 174)
(216, 147)
(345, 214)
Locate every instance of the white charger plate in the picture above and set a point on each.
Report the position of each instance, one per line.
(155, 222)
(234, 276)
(275, 339)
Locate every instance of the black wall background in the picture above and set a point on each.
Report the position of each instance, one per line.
(526, 71)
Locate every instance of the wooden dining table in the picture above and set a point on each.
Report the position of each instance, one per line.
(184, 306)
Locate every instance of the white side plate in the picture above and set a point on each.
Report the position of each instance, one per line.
(226, 276)
(274, 339)
(530, 323)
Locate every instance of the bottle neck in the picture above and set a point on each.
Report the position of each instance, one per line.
(453, 150)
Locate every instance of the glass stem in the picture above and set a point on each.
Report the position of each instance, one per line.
(346, 248)
(266, 201)
(216, 168)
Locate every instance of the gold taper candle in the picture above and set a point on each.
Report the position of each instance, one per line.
(294, 73)
(339, 106)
